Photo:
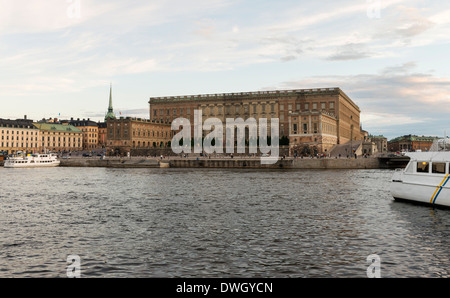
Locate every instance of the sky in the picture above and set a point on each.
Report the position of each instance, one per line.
(59, 57)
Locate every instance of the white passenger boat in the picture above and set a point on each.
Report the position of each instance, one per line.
(424, 180)
(32, 161)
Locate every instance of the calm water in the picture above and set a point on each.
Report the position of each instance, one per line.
(214, 223)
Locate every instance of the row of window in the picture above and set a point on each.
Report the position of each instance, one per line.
(23, 145)
(59, 139)
(88, 129)
(22, 132)
(436, 167)
(17, 138)
(210, 110)
(39, 161)
(145, 133)
(306, 106)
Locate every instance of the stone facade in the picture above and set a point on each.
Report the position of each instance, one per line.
(411, 143)
(126, 134)
(331, 116)
(380, 142)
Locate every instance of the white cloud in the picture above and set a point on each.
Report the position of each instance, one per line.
(396, 96)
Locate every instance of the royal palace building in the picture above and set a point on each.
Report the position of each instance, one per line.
(321, 118)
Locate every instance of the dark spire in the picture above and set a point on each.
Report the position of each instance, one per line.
(110, 114)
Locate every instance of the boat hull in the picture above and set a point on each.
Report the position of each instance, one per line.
(32, 161)
(433, 195)
(425, 180)
(29, 165)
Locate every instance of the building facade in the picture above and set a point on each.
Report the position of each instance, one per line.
(90, 132)
(317, 117)
(18, 135)
(59, 138)
(381, 143)
(411, 143)
(313, 130)
(102, 128)
(126, 134)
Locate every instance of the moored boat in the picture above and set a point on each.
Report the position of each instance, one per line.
(32, 161)
(424, 180)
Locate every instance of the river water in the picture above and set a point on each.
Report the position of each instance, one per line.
(214, 223)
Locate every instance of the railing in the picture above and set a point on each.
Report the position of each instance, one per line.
(241, 94)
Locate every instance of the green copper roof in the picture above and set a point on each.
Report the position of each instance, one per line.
(414, 138)
(57, 127)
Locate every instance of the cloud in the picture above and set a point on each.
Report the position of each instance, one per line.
(403, 23)
(350, 51)
(395, 96)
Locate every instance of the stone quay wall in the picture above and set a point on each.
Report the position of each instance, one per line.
(306, 163)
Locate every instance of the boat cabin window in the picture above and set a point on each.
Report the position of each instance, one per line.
(423, 167)
(438, 168)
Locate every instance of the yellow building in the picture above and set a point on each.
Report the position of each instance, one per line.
(102, 135)
(59, 137)
(89, 129)
(18, 135)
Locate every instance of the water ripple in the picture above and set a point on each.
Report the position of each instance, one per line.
(215, 223)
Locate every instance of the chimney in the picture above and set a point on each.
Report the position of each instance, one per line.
(25, 117)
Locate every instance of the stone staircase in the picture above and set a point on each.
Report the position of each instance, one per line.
(346, 149)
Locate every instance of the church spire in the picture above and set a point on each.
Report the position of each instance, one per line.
(110, 114)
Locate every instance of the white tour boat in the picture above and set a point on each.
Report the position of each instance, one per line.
(32, 161)
(424, 180)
